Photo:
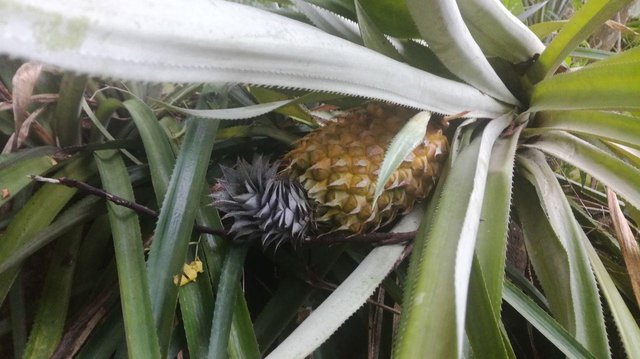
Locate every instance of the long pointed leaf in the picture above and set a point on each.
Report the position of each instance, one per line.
(584, 310)
(435, 300)
(346, 299)
(612, 87)
(214, 41)
(142, 341)
(498, 31)
(608, 125)
(441, 25)
(620, 176)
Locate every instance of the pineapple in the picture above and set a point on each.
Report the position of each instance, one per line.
(329, 180)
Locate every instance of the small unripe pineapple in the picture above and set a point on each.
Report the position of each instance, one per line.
(333, 170)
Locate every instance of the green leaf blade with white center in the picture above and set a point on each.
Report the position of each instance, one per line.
(435, 299)
(611, 126)
(491, 246)
(587, 19)
(498, 31)
(611, 87)
(164, 41)
(583, 308)
(347, 298)
(615, 173)
(441, 25)
(411, 134)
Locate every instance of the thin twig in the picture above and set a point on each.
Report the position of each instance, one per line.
(138, 208)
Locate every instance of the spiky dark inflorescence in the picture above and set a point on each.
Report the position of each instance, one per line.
(263, 205)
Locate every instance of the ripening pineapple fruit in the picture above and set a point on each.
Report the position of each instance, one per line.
(329, 180)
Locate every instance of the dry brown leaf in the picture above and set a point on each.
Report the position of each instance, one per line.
(628, 244)
(24, 81)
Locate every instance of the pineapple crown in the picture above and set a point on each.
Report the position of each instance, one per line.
(263, 205)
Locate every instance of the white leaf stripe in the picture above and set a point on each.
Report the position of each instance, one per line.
(219, 41)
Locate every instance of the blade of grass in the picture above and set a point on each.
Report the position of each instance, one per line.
(132, 277)
(14, 176)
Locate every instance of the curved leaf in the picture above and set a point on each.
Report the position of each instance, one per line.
(211, 41)
(620, 176)
(498, 31)
(613, 87)
(552, 222)
(441, 25)
(372, 37)
(608, 125)
(347, 298)
(411, 134)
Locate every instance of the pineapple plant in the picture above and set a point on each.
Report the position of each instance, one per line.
(549, 141)
(329, 181)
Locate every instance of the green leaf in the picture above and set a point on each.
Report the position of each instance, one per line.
(391, 17)
(607, 125)
(441, 25)
(51, 315)
(75, 215)
(225, 300)
(435, 301)
(630, 57)
(626, 324)
(612, 87)
(544, 29)
(372, 37)
(483, 324)
(580, 306)
(544, 323)
(212, 42)
(140, 330)
(615, 173)
(239, 113)
(491, 246)
(66, 114)
(587, 19)
(156, 145)
(498, 31)
(14, 176)
(36, 214)
(411, 134)
(346, 299)
(175, 223)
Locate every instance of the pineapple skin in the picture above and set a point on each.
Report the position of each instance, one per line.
(338, 166)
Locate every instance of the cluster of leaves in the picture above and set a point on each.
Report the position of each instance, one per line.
(110, 283)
